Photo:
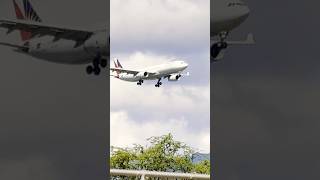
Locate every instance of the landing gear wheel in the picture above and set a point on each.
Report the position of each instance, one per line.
(103, 63)
(140, 82)
(158, 83)
(89, 69)
(96, 71)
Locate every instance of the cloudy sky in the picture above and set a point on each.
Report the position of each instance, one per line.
(151, 32)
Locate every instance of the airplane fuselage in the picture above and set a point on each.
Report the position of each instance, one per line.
(163, 70)
(227, 15)
(64, 51)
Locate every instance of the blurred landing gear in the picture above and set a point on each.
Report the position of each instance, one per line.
(216, 48)
(140, 82)
(158, 83)
(89, 69)
(96, 64)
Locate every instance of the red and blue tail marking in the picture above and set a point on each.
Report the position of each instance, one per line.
(29, 14)
(117, 65)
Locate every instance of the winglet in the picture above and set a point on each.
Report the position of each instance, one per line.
(186, 74)
(250, 39)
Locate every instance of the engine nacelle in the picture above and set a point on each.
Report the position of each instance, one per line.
(142, 75)
(216, 49)
(174, 77)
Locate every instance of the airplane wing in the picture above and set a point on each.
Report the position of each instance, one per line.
(120, 70)
(221, 52)
(248, 41)
(38, 29)
(13, 45)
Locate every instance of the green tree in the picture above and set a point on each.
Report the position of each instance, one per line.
(163, 154)
(202, 167)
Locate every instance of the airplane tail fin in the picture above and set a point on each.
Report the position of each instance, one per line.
(29, 14)
(117, 65)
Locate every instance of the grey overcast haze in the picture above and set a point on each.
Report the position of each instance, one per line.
(150, 32)
(53, 117)
(266, 97)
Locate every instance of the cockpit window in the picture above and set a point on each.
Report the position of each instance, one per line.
(236, 4)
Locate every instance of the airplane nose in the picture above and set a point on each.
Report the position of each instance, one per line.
(244, 13)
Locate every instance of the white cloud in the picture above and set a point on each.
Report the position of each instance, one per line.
(126, 131)
(179, 24)
(171, 99)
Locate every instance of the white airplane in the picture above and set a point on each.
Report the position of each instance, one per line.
(226, 15)
(57, 44)
(171, 70)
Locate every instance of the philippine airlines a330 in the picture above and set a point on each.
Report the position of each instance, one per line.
(57, 44)
(171, 70)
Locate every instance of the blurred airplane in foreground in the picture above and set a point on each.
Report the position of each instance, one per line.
(57, 44)
(226, 15)
(171, 70)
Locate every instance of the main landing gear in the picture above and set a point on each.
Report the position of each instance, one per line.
(96, 64)
(159, 83)
(140, 82)
(220, 45)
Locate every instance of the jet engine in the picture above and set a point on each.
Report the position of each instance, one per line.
(142, 74)
(174, 77)
(216, 49)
